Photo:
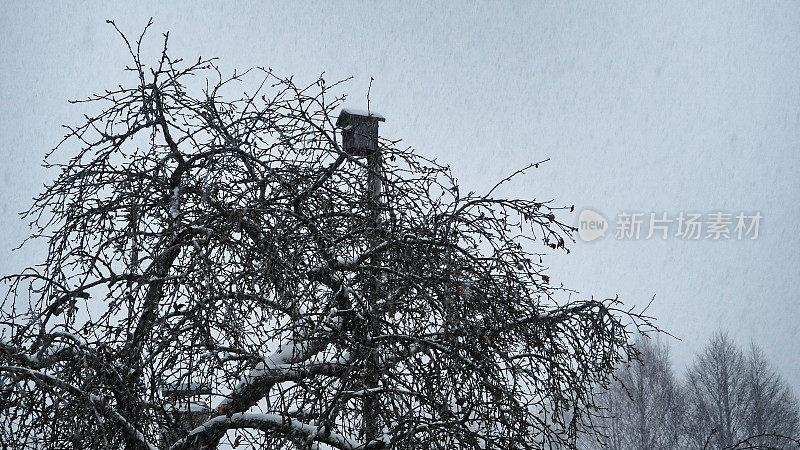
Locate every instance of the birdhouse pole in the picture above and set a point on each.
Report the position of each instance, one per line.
(360, 139)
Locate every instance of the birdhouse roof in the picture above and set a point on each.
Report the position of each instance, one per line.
(346, 114)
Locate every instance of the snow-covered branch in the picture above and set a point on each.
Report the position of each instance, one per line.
(269, 423)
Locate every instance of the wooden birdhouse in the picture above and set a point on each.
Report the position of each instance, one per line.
(359, 131)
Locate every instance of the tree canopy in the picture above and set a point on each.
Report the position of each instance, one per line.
(210, 230)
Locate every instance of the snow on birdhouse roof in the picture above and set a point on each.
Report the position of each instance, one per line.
(347, 112)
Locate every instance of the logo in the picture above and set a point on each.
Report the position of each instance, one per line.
(685, 225)
(591, 225)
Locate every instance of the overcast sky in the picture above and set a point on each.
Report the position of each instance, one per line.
(666, 109)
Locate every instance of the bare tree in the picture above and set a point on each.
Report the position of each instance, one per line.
(729, 401)
(769, 407)
(715, 389)
(212, 248)
(737, 401)
(645, 407)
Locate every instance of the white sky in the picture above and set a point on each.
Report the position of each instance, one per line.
(640, 108)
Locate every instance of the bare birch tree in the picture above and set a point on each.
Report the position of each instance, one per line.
(645, 408)
(769, 407)
(737, 401)
(714, 388)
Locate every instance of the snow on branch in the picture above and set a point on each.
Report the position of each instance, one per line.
(266, 423)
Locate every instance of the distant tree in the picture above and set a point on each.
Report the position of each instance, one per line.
(645, 407)
(737, 401)
(715, 389)
(768, 405)
(207, 246)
